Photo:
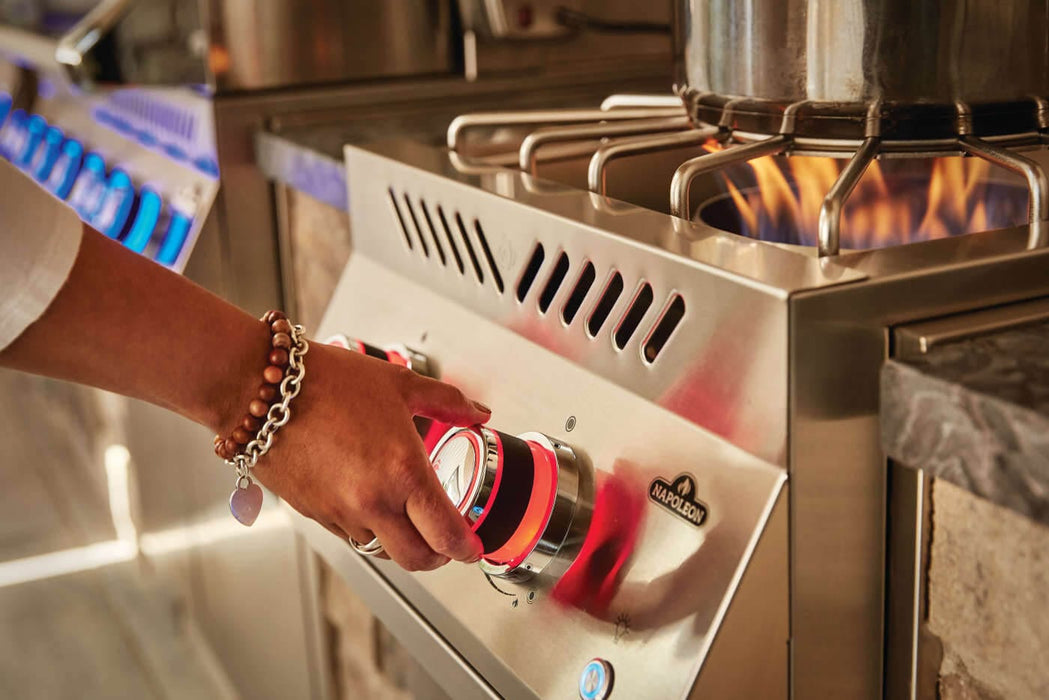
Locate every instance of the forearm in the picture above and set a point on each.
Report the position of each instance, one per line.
(125, 324)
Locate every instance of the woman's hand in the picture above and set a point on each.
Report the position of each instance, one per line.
(351, 459)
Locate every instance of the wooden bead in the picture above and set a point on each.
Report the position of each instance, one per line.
(232, 447)
(220, 448)
(258, 408)
(251, 423)
(273, 374)
(217, 440)
(282, 340)
(279, 357)
(241, 436)
(268, 393)
(281, 326)
(273, 315)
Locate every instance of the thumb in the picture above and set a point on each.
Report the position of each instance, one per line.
(443, 402)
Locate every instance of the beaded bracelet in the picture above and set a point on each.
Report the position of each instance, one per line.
(269, 411)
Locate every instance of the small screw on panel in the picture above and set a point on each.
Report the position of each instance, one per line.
(570, 424)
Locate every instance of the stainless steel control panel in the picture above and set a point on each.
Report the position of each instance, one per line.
(671, 517)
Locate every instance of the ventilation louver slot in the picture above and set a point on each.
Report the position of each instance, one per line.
(439, 233)
(469, 248)
(579, 292)
(530, 272)
(604, 305)
(668, 321)
(488, 256)
(400, 219)
(642, 301)
(433, 232)
(420, 236)
(554, 283)
(451, 240)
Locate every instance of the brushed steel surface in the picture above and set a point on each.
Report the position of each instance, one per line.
(680, 581)
(835, 314)
(862, 50)
(717, 352)
(283, 42)
(762, 602)
(918, 338)
(839, 340)
(909, 511)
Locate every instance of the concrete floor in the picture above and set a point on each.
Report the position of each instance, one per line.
(81, 616)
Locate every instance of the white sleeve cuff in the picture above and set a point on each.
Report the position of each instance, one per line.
(39, 240)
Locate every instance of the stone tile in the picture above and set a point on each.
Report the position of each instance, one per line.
(321, 246)
(988, 590)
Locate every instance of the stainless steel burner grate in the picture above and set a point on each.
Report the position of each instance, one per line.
(632, 125)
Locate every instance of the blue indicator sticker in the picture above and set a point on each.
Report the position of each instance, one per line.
(174, 239)
(149, 206)
(65, 169)
(595, 682)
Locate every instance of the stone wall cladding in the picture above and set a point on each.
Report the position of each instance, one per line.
(988, 591)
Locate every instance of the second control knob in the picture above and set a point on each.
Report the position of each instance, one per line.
(519, 493)
(397, 354)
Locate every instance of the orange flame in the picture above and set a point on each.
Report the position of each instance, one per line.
(933, 198)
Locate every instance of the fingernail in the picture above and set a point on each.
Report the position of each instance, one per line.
(481, 407)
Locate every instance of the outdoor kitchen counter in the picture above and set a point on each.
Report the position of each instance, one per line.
(976, 413)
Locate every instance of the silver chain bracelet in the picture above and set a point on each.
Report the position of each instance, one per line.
(245, 502)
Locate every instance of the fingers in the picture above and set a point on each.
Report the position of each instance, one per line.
(433, 399)
(441, 525)
(405, 546)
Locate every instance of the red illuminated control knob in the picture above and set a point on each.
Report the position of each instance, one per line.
(519, 494)
(397, 354)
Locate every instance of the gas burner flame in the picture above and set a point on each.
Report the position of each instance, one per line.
(901, 201)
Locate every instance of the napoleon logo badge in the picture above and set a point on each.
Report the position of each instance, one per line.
(679, 498)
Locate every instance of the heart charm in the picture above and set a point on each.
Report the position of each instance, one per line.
(245, 502)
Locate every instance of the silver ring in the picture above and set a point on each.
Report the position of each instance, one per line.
(370, 549)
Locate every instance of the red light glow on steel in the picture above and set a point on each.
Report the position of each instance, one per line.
(537, 514)
(595, 576)
(396, 358)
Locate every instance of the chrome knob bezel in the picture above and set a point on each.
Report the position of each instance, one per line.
(558, 525)
(488, 462)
